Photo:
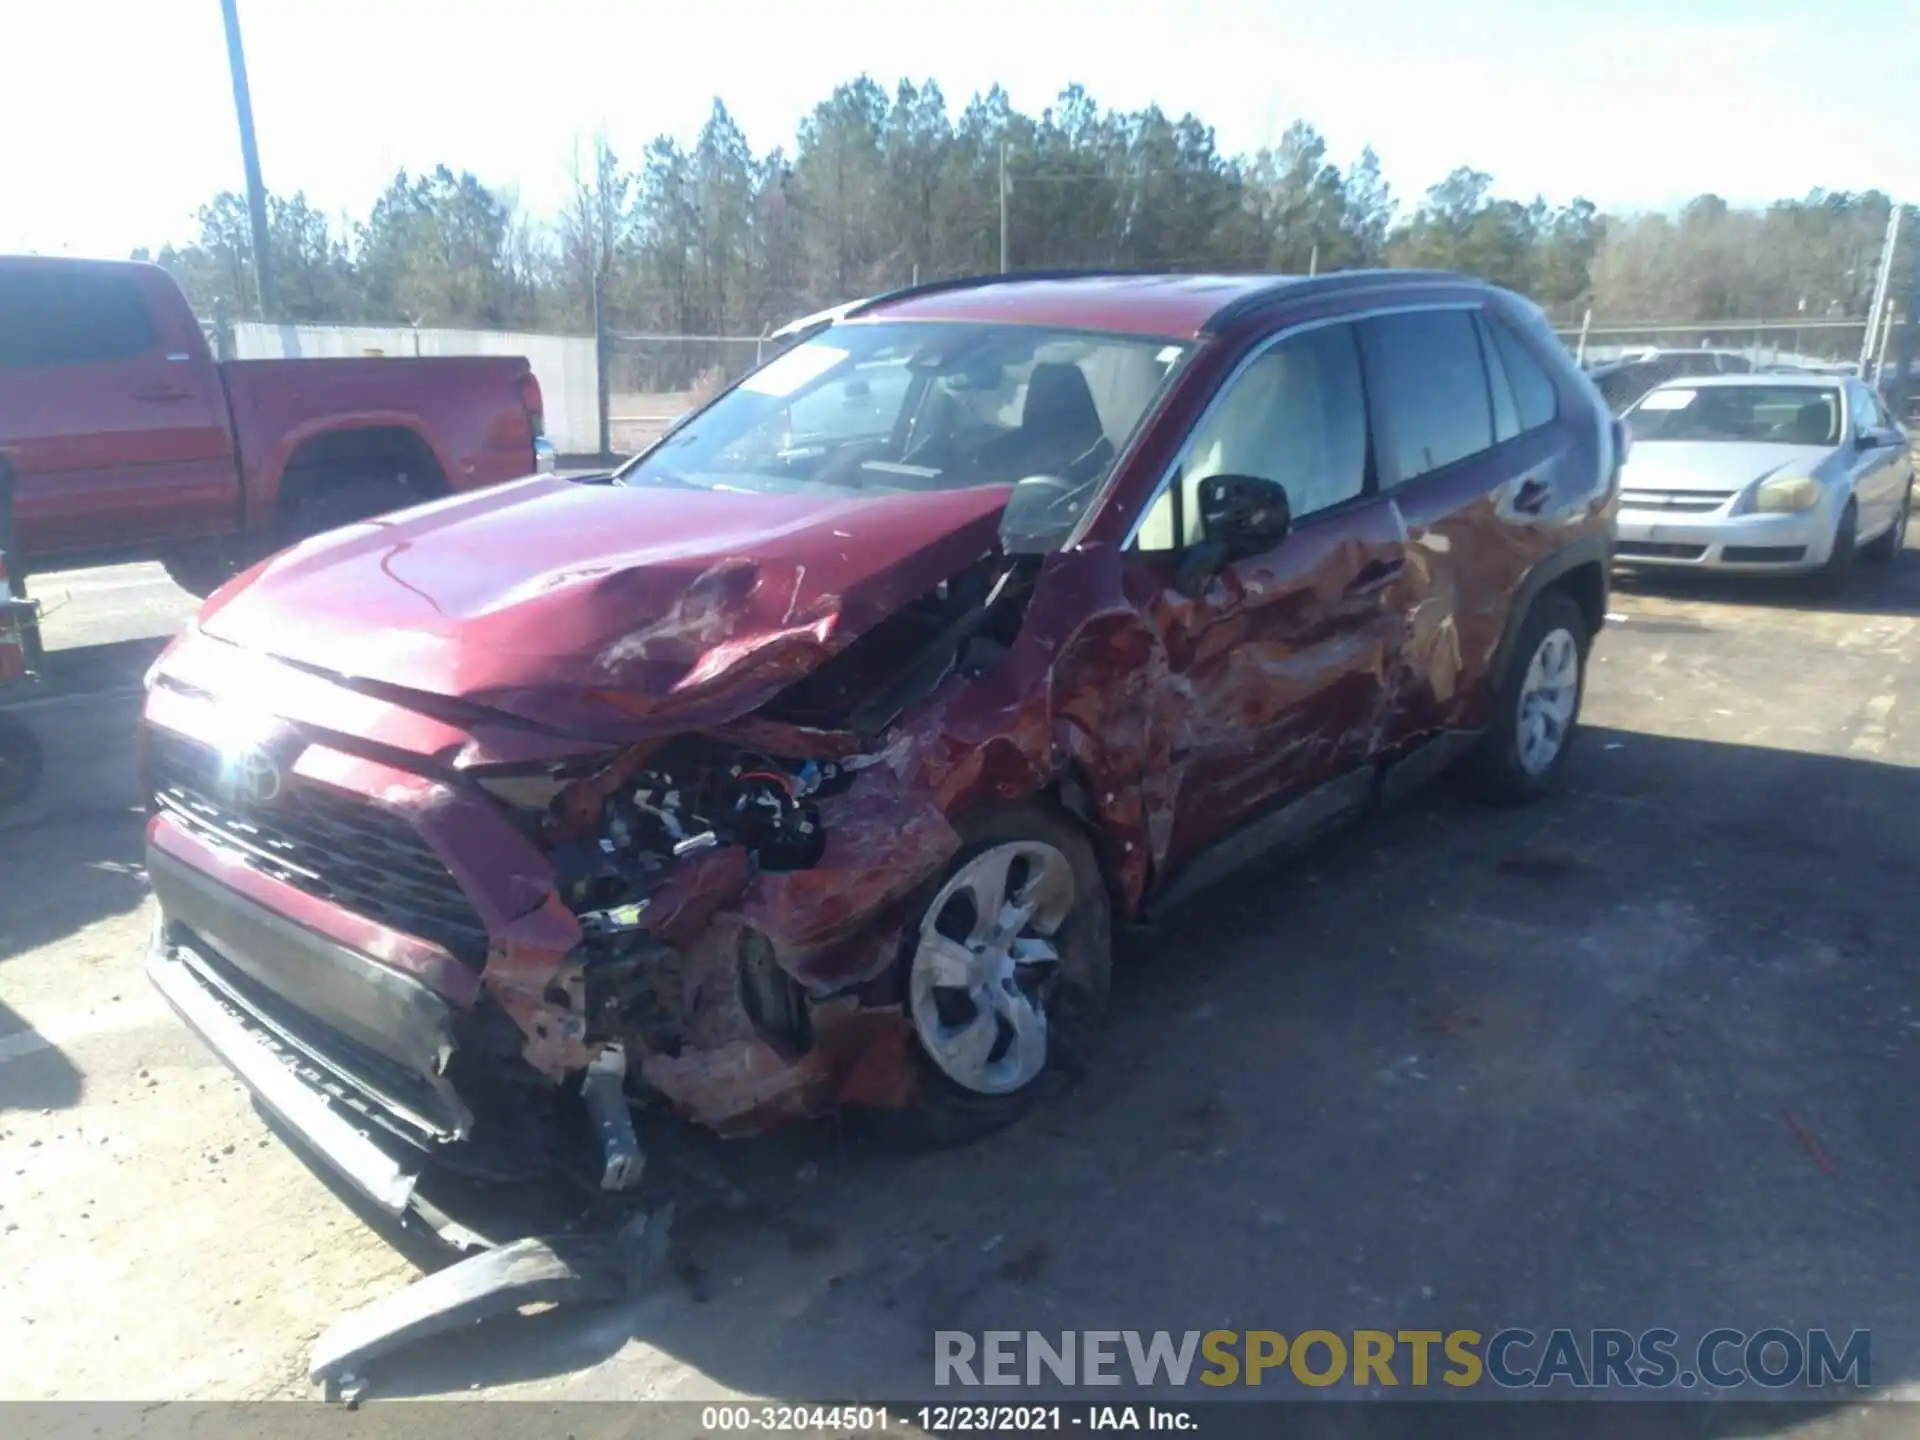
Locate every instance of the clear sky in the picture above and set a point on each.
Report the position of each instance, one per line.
(116, 116)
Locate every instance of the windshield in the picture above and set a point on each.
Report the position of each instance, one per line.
(1772, 414)
(883, 408)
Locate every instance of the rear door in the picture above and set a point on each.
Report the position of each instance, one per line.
(1466, 454)
(1276, 660)
(115, 423)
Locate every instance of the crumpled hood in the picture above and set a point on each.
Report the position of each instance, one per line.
(591, 607)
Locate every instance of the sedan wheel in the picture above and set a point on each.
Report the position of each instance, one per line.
(1004, 969)
(984, 963)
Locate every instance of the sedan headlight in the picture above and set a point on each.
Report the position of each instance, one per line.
(1786, 494)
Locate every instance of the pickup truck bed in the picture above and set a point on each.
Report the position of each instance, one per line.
(128, 440)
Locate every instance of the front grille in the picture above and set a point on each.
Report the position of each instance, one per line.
(1650, 550)
(330, 844)
(1763, 554)
(1675, 502)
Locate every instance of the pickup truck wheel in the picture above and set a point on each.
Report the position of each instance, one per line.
(20, 762)
(323, 502)
(202, 572)
(1536, 703)
(1006, 966)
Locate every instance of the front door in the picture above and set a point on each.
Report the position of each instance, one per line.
(1276, 659)
(1882, 469)
(117, 431)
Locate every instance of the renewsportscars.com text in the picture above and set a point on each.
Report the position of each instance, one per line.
(1509, 1359)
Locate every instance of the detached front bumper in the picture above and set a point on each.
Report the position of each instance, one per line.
(245, 1041)
(1759, 544)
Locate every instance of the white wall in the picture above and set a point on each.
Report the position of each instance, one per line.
(562, 363)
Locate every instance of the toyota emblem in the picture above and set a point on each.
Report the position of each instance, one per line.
(257, 777)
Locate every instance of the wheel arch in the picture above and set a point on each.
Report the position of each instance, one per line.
(1580, 569)
(392, 444)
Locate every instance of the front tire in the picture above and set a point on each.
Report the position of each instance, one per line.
(1886, 548)
(1536, 703)
(1005, 967)
(1833, 577)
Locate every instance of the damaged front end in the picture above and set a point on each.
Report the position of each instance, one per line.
(739, 892)
(488, 959)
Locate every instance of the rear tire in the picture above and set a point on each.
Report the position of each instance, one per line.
(1536, 703)
(316, 503)
(1886, 548)
(201, 572)
(1046, 868)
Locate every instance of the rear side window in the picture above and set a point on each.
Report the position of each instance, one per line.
(1533, 394)
(71, 317)
(1428, 388)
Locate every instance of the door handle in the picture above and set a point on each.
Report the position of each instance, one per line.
(1375, 575)
(161, 394)
(1531, 497)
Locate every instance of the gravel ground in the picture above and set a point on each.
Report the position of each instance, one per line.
(1640, 1055)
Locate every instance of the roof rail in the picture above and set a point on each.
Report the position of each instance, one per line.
(1290, 286)
(1336, 281)
(1009, 277)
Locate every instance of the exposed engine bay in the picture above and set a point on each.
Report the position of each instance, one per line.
(623, 834)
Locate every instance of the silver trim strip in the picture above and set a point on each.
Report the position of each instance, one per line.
(370, 1170)
(1346, 317)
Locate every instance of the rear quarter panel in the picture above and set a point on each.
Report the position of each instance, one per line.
(466, 409)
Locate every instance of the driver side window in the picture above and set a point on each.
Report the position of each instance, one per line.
(1296, 415)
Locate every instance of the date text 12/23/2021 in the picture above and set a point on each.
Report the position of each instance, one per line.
(942, 1419)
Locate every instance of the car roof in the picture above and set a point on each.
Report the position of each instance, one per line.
(1125, 302)
(1800, 381)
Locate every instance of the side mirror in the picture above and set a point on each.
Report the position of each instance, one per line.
(1244, 512)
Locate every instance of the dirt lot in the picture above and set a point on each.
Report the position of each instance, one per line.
(1642, 1055)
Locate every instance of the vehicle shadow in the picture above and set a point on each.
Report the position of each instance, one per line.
(37, 1076)
(111, 666)
(1874, 590)
(1638, 1056)
(65, 870)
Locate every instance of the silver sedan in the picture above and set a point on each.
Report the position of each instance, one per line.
(1763, 474)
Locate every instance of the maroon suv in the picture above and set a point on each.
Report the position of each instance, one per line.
(813, 759)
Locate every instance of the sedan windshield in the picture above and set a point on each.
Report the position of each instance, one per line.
(1773, 414)
(882, 408)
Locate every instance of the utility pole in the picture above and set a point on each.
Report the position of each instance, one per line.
(250, 153)
(1903, 372)
(1880, 283)
(1313, 260)
(1003, 207)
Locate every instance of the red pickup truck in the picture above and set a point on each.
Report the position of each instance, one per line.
(126, 439)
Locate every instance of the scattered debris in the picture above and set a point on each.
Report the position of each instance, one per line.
(1407, 1067)
(1548, 865)
(810, 1237)
(554, 1270)
(1027, 1265)
(1805, 1137)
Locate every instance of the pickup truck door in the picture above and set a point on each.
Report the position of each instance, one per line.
(111, 410)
